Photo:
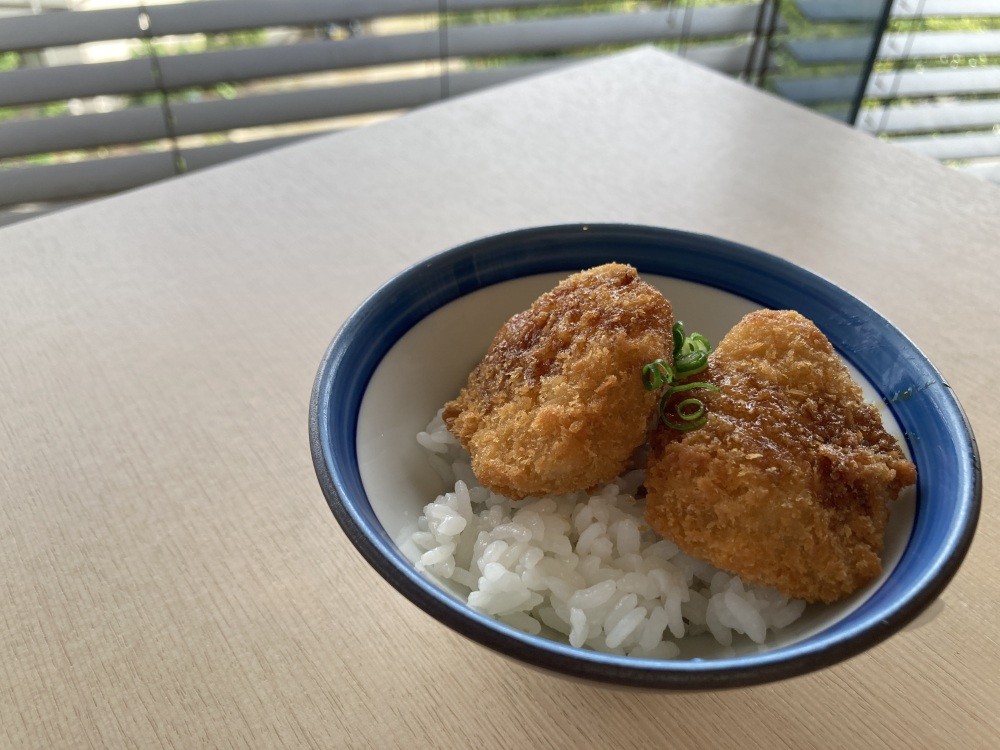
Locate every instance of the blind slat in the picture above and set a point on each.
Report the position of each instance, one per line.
(561, 34)
(905, 83)
(133, 125)
(924, 44)
(303, 57)
(57, 182)
(964, 146)
(37, 85)
(139, 124)
(931, 117)
(833, 11)
(935, 82)
(68, 27)
(82, 179)
(215, 16)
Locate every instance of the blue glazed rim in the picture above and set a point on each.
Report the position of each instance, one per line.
(937, 431)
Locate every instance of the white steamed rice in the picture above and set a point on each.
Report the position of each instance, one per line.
(584, 566)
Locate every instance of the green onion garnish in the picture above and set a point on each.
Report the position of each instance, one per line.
(656, 374)
(691, 411)
(691, 363)
(678, 337)
(690, 358)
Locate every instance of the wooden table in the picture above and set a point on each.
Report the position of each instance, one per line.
(171, 573)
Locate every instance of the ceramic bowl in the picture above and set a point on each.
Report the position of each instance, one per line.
(410, 346)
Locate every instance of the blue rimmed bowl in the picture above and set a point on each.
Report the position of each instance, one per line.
(410, 346)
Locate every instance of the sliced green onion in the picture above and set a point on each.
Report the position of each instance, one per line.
(687, 423)
(690, 364)
(691, 411)
(688, 414)
(657, 374)
(678, 337)
(700, 342)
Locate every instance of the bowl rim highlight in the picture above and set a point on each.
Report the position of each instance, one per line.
(920, 399)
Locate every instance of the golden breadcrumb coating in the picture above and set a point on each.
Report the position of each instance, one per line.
(788, 482)
(557, 404)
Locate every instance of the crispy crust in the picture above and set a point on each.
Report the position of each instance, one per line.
(557, 404)
(788, 483)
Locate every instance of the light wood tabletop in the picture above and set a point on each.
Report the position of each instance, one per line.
(171, 574)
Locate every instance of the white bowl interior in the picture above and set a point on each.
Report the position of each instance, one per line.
(431, 362)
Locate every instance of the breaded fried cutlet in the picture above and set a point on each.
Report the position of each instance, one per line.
(558, 404)
(788, 482)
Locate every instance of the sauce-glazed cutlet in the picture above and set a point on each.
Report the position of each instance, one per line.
(557, 404)
(788, 482)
